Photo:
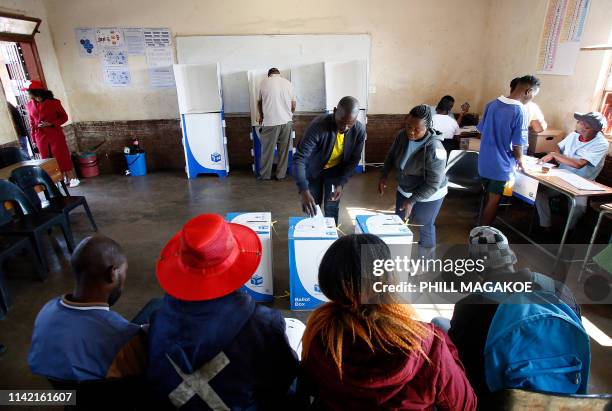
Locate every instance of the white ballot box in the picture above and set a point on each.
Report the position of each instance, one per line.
(309, 239)
(389, 228)
(260, 285)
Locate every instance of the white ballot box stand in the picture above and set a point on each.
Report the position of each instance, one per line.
(260, 285)
(390, 228)
(308, 243)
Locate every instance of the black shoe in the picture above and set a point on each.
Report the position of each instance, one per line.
(2, 349)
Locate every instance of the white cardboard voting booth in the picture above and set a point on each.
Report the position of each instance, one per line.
(348, 78)
(260, 285)
(308, 243)
(255, 77)
(198, 87)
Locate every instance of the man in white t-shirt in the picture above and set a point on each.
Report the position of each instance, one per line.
(275, 106)
(446, 124)
(582, 152)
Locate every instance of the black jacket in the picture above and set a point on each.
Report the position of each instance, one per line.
(316, 147)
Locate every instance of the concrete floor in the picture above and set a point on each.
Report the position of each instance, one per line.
(142, 213)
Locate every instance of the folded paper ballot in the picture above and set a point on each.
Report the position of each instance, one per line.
(316, 226)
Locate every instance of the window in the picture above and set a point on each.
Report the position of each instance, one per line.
(606, 103)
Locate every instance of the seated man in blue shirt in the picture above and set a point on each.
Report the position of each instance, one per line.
(77, 337)
(582, 152)
(504, 133)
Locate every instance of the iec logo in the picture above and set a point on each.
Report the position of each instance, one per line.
(215, 157)
(87, 45)
(257, 280)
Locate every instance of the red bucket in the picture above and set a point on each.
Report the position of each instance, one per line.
(88, 164)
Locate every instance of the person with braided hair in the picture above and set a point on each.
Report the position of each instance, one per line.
(418, 156)
(364, 351)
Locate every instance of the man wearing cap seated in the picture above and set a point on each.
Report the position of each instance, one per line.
(211, 346)
(582, 152)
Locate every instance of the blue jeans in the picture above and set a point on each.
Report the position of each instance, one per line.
(423, 213)
(321, 190)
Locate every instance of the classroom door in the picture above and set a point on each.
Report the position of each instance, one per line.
(20, 65)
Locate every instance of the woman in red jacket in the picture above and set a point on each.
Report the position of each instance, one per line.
(46, 118)
(363, 351)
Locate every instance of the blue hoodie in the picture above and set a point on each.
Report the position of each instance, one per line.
(254, 364)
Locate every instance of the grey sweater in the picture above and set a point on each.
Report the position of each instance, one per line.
(424, 172)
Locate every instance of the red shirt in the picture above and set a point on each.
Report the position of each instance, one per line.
(49, 111)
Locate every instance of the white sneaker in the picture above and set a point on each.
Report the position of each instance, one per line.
(74, 182)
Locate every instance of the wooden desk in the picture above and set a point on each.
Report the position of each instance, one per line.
(558, 184)
(49, 165)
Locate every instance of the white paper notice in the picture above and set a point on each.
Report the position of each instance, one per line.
(134, 39)
(117, 76)
(86, 41)
(157, 37)
(160, 61)
(109, 37)
(114, 56)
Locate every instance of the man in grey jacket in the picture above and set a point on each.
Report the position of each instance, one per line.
(418, 156)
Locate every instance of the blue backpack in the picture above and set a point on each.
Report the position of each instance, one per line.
(537, 342)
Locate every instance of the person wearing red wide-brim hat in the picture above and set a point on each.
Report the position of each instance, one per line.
(46, 118)
(209, 342)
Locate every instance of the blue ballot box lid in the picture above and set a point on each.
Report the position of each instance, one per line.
(305, 228)
(383, 225)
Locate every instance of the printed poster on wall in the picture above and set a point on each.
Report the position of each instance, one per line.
(109, 37)
(114, 56)
(86, 41)
(560, 42)
(158, 37)
(160, 57)
(134, 39)
(117, 76)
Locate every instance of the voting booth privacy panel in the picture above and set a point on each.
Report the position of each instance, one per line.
(255, 77)
(200, 103)
(322, 68)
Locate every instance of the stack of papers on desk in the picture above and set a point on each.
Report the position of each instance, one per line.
(576, 181)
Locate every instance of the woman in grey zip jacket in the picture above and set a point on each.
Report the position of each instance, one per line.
(419, 158)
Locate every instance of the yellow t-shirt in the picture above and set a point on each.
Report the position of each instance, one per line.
(336, 154)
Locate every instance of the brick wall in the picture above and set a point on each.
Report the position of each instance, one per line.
(161, 139)
(71, 138)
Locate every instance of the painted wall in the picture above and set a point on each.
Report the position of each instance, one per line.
(512, 44)
(420, 50)
(46, 50)
(7, 130)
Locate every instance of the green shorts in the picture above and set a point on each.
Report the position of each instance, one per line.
(493, 186)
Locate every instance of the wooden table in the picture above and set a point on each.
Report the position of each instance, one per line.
(49, 165)
(558, 184)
